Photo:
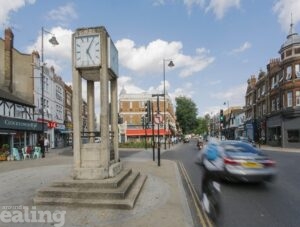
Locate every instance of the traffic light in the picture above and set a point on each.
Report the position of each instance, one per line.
(221, 116)
(148, 112)
(143, 121)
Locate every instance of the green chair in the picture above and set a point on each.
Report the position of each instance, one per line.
(15, 154)
(25, 154)
(37, 153)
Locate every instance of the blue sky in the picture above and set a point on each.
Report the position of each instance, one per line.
(216, 45)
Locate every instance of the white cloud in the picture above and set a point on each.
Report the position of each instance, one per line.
(191, 3)
(63, 14)
(127, 83)
(236, 95)
(57, 56)
(242, 48)
(284, 9)
(11, 6)
(220, 7)
(149, 59)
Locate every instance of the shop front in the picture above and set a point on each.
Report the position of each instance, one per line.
(274, 127)
(19, 133)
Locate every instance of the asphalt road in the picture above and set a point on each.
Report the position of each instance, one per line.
(266, 204)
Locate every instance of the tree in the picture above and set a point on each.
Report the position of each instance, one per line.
(186, 114)
(202, 126)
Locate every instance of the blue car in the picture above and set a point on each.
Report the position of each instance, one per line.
(238, 161)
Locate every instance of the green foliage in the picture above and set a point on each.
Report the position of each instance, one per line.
(186, 114)
(202, 126)
(133, 145)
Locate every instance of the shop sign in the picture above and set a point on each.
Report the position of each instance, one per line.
(19, 124)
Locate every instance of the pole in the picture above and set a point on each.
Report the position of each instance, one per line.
(153, 142)
(42, 77)
(164, 72)
(158, 140)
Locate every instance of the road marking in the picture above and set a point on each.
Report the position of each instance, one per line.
(203, 218)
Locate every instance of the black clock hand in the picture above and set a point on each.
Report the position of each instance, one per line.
(88, 49)
(88, 53)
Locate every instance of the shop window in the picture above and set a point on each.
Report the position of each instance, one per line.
(293, 136)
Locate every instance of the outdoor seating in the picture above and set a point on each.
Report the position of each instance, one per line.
(15, 154)
(37, 153)
(25, 154)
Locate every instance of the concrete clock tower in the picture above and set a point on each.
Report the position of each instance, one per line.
(95, 58)
(98, 177)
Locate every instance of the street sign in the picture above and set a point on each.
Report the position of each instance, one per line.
(158, 119)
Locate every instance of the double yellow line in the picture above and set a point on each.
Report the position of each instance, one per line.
(203, 218)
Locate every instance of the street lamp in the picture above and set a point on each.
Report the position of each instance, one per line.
(54, 42)
(171, 64)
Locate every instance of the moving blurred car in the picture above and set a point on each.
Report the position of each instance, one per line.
(238, 161)
(246, 140)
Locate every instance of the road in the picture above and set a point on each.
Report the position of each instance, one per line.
(266, 204)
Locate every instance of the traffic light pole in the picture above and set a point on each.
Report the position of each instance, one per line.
(158, 139)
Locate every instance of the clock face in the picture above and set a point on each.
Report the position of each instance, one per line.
(87, 51)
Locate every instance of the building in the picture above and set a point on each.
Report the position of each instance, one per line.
(132, 110)
(18, 126)
(273, 102)
(68, 118)
(53, 98)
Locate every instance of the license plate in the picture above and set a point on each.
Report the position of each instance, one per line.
(251, 165)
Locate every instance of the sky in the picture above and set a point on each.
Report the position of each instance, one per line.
(215, 45)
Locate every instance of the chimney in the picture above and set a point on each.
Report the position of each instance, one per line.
(8, 58)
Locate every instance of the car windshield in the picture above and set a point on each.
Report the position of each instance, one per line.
(238, 147)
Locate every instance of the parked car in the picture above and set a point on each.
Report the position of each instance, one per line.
(238, 161)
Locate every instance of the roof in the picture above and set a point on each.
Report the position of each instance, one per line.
(12, 98)
(292, 39)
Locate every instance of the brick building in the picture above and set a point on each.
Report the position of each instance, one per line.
(132, 109)
(273, 101)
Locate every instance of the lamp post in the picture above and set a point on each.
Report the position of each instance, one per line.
(53, 41)
(171, 64)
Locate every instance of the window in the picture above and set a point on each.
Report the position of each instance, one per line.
(277, 103)
(289, 99)
(297, 50)
(264, 107)
(297, 70)
(297, 98)
(275, 81)
(288, 73)
(263, 89)
(288, 53)
(273, 105)
(293, 135)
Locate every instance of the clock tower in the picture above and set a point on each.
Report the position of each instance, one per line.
(95, 59)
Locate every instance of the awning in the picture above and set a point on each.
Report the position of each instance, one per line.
(143, 132)
(63, 131)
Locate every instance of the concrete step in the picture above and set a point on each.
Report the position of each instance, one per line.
(125, 203)
(94, 192)
(106, 183)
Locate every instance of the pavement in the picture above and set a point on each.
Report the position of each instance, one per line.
(162, 201)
